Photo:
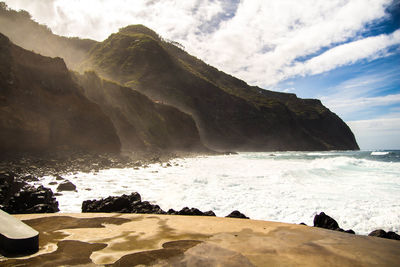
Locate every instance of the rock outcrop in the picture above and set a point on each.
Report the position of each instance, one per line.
(42, 109)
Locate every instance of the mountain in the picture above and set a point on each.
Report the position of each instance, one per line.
(230, 114)
(42, 109)
(141, 123)
(27, 33)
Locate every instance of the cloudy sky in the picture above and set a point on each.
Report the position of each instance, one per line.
(344, 52)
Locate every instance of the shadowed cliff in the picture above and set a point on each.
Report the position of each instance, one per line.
(42, 109)
(141, 123)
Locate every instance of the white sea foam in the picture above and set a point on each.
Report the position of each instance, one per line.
(379, 153)
(359, 193)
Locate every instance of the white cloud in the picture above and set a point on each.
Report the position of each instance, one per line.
(368, 48)
(380, 133)
(351, 106)
(261, 43)
(362, 93)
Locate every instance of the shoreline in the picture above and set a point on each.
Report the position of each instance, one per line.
(91, 162)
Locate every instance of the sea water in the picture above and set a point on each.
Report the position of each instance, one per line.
(359, 189)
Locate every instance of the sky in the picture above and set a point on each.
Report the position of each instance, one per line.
(344, 52)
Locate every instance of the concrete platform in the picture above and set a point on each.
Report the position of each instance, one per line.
(163, 240)
(17, 238)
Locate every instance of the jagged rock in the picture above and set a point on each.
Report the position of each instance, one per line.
(66, 186)
(125, 204)
(28, 199)
(324, 221)
(383, 234)
(237, 214)
(59, 178)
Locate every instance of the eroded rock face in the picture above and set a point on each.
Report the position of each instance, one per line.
(17, 197)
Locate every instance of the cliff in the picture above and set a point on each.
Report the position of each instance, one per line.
(141, 123)
(230, 114)
(42, 109)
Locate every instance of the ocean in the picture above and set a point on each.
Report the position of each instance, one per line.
(359, 189)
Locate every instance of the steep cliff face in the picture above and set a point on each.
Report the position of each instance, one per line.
(141, 123)
(42, 109)
(230, 114)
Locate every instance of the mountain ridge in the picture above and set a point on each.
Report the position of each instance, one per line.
(229, 113)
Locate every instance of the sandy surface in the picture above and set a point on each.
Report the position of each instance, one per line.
(162, 240)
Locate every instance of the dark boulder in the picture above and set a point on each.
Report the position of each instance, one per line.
(66, 186)
(383, 234)
(324, 221)
(237, 214)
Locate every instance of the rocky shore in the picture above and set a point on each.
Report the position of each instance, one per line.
(18, 197)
